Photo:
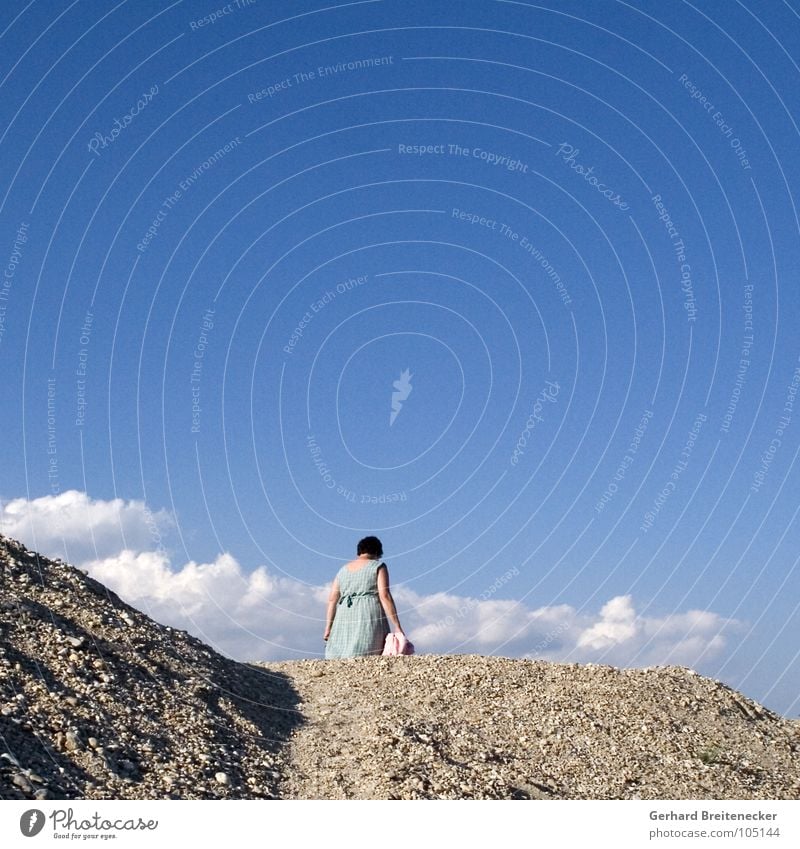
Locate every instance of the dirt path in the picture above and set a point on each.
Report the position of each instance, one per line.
(333, 753)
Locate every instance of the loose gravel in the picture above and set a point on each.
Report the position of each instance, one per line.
(98, 701)
(475, 727)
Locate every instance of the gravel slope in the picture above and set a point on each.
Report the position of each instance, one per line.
(99, 701)
(469, 726)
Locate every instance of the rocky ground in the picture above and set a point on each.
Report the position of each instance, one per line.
(450, 727)
(98, 701)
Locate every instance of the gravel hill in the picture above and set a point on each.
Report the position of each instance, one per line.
(99, 701)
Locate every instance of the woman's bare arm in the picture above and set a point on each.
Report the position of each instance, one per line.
(333, 600)
(385, 595)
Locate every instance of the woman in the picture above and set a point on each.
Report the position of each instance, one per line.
(359, 603)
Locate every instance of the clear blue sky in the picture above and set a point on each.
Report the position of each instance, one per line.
(599, 185)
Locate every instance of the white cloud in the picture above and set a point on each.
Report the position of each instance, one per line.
(250, 616)
(74, 527)
(258, 615)
(617, 624)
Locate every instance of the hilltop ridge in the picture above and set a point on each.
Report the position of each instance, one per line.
(99, 701)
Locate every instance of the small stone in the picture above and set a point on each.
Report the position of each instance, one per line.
(93, 742)
(75, 642)
(222, 778)
(72, 741)
(20, 781)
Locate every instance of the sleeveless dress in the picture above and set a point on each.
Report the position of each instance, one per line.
(360, 625)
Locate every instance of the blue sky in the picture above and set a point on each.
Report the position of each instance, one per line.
(230, 229)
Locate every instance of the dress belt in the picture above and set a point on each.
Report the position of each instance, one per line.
(351, 596)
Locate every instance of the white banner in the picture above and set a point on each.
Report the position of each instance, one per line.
(361, 823)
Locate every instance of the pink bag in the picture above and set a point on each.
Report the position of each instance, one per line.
(397, 644)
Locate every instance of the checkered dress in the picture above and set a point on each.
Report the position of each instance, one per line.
(360, 625)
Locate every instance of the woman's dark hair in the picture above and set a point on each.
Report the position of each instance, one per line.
(370, 545)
